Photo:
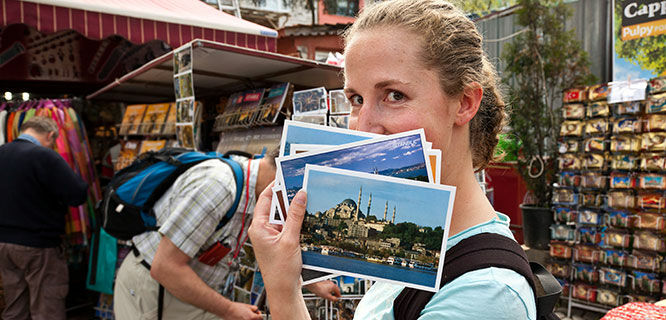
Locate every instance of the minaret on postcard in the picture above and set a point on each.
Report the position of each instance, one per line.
(358, 203)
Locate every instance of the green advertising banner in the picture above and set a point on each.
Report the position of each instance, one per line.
(639, 39)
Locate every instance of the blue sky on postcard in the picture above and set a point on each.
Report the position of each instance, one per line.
(424, 206)
(379, 156)
(307, 135)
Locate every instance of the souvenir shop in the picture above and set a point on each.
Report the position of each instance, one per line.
(53, 55)
(187, 98)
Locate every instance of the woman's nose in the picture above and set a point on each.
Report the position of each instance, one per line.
(370, 120)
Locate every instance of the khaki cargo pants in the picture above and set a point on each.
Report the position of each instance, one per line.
(135, 296)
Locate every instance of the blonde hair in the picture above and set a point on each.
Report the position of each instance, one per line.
(452, 46)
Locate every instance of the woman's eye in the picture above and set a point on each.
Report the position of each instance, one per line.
(356, 100)
(395, 96)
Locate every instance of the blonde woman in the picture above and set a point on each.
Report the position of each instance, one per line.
(415, 64)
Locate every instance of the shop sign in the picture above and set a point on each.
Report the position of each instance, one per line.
(639, 40)
(643, 19)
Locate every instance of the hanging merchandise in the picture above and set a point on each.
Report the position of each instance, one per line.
(609, 236)
(72, 144)
(186, 120)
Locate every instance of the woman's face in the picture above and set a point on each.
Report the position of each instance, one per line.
(392, 91)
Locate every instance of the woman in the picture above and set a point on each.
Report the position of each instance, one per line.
(415, 64)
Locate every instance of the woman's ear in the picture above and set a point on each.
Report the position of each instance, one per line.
(470, 100)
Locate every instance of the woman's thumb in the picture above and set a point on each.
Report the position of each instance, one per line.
(292, 227)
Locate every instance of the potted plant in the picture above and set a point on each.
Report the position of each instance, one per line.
(541, 62)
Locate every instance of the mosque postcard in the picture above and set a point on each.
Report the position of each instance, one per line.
(375, 227)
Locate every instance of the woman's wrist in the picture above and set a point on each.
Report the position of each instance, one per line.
(287, 304)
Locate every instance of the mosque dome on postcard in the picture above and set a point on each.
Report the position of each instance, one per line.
(344, 210)
(349, 202)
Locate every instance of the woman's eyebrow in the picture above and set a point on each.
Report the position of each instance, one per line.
(379, 85)
(386, 83)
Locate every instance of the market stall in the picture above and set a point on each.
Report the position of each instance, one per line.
(53, 51)
(196, 85)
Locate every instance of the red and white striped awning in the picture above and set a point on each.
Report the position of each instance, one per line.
(175, 22)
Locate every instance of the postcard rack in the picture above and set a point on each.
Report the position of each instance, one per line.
(608, 242)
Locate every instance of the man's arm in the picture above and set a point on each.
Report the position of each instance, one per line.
(63, 181)
(326, 289)
(171, 269)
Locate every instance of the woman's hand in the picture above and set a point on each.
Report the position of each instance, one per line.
(278, 253)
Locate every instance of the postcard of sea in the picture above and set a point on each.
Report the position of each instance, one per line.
(307, 133)
(398, 155)
(376, 227)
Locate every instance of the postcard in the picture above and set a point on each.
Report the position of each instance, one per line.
(170, 124)
(251, 102)
(339, 121)
(241, 295)
(154, 118)
(318, 119)
(297, 148)
(132, 119)
(346, 307)
(306, 133)
(399, 155)
(185, 110)
(351, 285)
(186, 87)
(257, 287)
(128, 153)
(310, 101)
(435, 156)
(247, 257)
(277, 206)
(176, 87)
(152, 145)
(312, 276)
(244, 280)
(182, 60)
(339, 102)
(274, 100)
(185, 134)
(411, 209)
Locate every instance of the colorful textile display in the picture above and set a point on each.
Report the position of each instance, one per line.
(72, 144)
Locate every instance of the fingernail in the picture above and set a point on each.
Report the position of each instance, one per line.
(300, 197)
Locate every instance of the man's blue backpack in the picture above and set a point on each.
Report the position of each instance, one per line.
(127, 207)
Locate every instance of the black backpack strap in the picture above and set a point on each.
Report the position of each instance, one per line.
(548, 291)
(477, 252)
(238, 153)
(160, 302)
